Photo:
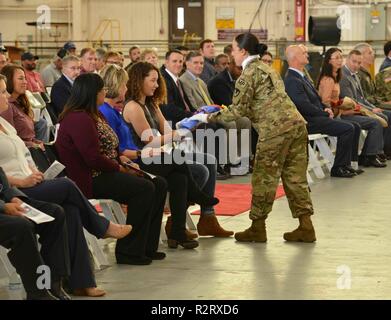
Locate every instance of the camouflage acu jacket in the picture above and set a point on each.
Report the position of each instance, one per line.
(383, 84)
(368, 86)
(260, 95)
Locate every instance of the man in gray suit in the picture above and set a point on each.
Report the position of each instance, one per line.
(351, 87)
(198, 94)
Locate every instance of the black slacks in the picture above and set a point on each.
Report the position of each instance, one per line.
(145, 199)
(19, 235)
(345, 133)
(79, 213)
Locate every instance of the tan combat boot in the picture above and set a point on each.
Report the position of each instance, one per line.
(256, 233)
(208, 225)
(304, 233)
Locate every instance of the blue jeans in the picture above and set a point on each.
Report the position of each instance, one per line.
(203, 168)
(41, 130)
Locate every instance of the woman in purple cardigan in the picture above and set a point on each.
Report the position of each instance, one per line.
(88, 147)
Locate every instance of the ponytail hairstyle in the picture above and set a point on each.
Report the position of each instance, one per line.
(250, 43)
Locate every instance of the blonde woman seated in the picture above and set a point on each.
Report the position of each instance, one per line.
(150, 55)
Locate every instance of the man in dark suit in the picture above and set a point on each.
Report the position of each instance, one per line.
(319, 118)
(378, 138)
(221, 87)
(178, 105)
(18, 234)
(61, 89)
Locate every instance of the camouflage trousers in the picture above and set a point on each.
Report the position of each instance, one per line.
(282, 157)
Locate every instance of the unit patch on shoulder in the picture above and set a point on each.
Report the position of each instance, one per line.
(241, 82)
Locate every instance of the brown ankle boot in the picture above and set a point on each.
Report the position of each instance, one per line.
(304, 233)
(256, 233)
(208, 225)
(189, 235)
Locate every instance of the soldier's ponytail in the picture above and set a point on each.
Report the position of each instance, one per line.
(250, 43)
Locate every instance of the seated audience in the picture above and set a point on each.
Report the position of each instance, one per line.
(22, 173)
(61, 89)
(222, 61)
(52, 72)
(34, 80)
(207, 50)
(100, 58)
(88, 60)
(150, 55)
(18, 235)
(383, 85)
(178, 105)
(70, 48)
(320, 119)
(222, 86)
(228, 50)
(20, 114)
(368, 85)
(329, 91)
(112, 57)
(3, 60)
(88, 147)
(197, 92)
(146, 90)
(134, 56)
(267, 58)
(351, 87)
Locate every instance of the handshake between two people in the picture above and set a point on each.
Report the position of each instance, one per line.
(201, 116)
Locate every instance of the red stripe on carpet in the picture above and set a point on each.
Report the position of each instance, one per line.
(235, 198)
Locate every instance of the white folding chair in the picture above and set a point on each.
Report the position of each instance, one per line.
(14, 278)
(99, 257)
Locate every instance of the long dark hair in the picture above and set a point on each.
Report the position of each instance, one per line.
(327, 68)
(84, 92)
(9, 71)
(250, 43)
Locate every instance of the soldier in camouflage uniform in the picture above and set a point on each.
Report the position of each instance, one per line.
(282, 146)
(383, 87)
(372, 91)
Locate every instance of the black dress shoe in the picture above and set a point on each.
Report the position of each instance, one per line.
(156, 255)
(382, 157)
(373, 161)
(221, 174)
(133, 260)
(57, 291)
(60, 294)
(341, 172)
(355, 171)
(351, 170)
(40, 295)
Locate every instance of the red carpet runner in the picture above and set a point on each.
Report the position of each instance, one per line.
(236, 198)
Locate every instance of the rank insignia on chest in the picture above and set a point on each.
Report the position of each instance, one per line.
(237, 92)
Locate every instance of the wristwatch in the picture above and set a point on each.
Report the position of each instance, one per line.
(138, 153)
